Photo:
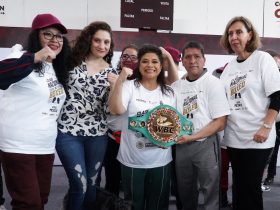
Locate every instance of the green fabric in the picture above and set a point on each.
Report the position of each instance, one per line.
(148, 189)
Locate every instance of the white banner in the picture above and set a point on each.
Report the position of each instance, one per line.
(271, 18)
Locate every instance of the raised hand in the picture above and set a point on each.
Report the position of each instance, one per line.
(112, 78)
(44, 54)
(165, 53)
(125, 73)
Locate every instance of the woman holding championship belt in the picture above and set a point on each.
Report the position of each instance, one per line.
(145, 167)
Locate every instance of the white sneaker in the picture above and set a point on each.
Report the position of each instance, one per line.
(265, 188)
(2, 207)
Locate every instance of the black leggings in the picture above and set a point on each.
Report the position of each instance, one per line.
(248, 167)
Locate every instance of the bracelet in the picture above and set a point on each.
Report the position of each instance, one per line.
(267, 126)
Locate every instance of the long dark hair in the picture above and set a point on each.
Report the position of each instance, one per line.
(59, 63)
(82, 45)
(148, 48)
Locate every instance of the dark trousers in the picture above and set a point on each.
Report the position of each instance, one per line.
(247, 171)
(112, 167)
(224, 170)
(28, 179)
(174, 188)
(148, 188)
(2, 199)
(271, 171)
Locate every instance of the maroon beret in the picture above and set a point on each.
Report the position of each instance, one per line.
(176, 55)
(47, 20)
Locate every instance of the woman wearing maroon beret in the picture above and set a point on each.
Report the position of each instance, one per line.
(32, 99)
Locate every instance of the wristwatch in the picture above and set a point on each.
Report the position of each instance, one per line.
(267, 126)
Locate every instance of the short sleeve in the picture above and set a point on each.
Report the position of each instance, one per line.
(218, 103)
(270, 74)
(127, 91)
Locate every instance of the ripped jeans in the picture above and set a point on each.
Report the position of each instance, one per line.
(81, 157)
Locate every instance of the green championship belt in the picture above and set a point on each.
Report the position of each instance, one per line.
(161, 125)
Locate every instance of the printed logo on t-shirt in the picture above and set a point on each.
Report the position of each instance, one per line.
(237, 86)
(146, 101)
(190, 105)
(140, 100)
(140, 144)
(56, 92)
(149, 144)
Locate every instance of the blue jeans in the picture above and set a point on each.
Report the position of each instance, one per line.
(81, 157)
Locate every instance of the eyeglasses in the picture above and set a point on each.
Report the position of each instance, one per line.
(49, 36)
(131, 57)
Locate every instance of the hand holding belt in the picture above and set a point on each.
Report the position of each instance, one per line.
(161, 125)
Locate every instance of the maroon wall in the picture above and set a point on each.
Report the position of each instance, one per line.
(12, 35)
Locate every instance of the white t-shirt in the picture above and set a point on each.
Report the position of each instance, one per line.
(28, 112)
(115, 122)
(248, 85)
(201, 101)
(135, 151)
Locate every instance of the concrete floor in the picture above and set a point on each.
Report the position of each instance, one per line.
(59, 187)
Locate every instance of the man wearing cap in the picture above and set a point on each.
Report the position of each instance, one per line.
(202, 99)
(32, 99)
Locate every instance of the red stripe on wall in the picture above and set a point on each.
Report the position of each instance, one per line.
(12, 35)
